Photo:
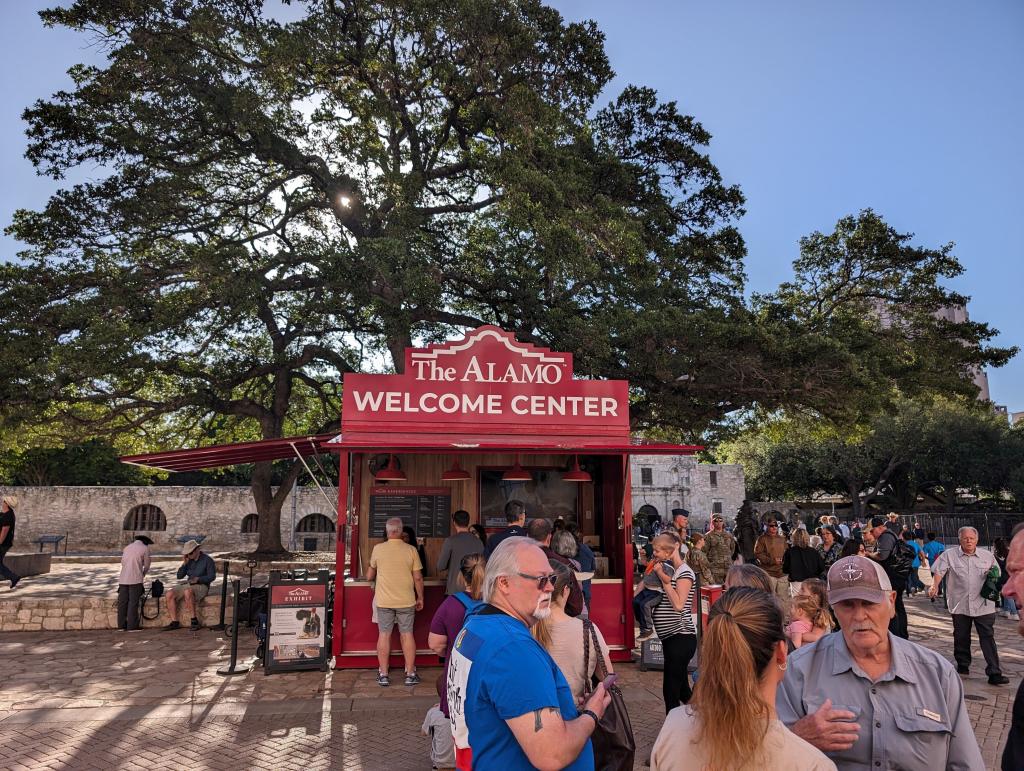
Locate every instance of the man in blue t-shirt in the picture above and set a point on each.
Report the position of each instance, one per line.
(932, 549)
(510, 705)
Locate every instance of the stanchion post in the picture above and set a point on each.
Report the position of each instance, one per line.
(224, 598)
(233, 667)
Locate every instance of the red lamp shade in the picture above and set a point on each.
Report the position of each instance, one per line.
(389, 473)
(517, 473)
(455, 474)
(577, 474)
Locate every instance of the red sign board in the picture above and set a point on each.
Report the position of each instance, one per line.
(487, 381)
(313, 594)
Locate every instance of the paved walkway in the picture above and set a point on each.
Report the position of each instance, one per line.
(153, 700)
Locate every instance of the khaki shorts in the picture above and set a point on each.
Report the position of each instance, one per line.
(386, 618)
(199, 591)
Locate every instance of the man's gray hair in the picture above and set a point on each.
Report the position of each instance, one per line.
(960, 532)
(504, 561)
(394, 526)
(564, 544)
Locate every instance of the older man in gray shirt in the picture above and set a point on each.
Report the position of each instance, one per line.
(871, 700)
(965, 569)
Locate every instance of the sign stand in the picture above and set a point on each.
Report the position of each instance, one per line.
(297, 636)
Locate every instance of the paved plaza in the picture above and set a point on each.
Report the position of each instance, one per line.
(153, 700)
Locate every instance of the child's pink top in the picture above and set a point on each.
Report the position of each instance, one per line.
(798, 625)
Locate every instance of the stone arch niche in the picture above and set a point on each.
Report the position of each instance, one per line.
(315, 532)
(145, 517)
(250, 524)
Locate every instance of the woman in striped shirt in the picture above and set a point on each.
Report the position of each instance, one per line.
(673, 620)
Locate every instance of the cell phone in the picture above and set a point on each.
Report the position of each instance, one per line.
(609, 681)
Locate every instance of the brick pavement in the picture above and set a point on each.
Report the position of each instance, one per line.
(103, 700)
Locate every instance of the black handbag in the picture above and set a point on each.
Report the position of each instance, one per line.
(613, 741)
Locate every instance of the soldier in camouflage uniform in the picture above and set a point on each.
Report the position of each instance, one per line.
(720, 547)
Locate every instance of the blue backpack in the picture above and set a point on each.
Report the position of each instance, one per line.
(468, 602)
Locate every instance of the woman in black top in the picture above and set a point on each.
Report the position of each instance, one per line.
(7, 521)
(801, 562)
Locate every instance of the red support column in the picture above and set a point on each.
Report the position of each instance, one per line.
(627, 531)
(339, 551)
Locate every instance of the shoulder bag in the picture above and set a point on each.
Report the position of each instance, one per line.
(614, 744)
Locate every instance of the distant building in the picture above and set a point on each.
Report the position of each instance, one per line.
(1016, 417)
(661, 483)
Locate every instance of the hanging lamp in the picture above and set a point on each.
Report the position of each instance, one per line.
(517, 473)
(456, 473)
(389, 473)
(577, 474)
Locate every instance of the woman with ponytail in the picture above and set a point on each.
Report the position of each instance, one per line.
(447, 621)
(730, 723)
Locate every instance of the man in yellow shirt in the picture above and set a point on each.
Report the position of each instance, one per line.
(396, 567)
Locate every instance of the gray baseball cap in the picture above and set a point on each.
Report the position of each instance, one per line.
(857, 578)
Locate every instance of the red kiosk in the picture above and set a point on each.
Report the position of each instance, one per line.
(470, 424)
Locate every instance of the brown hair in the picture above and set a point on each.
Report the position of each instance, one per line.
(739, 645)
(800, 537)
(748, 575)
(541, 631)
(473, 568)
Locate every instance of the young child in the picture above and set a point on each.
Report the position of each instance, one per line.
(442, 743)
(645, 596)
(809, 621)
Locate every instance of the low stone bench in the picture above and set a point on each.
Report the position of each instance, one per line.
(75, 613)
(28, 564)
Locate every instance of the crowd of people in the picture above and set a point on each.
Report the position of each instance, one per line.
(804, 659)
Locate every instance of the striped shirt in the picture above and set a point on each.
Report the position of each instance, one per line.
(669, 621)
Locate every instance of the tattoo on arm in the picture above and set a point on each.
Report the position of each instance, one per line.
(537, 723)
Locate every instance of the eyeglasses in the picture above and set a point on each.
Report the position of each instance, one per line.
(773, 527)
(547, 578)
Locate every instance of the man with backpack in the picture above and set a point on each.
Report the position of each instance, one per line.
(896, 557)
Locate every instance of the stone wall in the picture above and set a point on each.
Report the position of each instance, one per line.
(94, 517)
(680, 482)
(73, 613)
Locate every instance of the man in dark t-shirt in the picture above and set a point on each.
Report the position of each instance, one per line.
(515, 515)
(7, 521)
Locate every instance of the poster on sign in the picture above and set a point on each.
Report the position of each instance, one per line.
(296, 633)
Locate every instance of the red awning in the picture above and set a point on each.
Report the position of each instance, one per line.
(276, 449)
(229, 454)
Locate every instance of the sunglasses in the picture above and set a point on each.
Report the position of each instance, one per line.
(546, 578)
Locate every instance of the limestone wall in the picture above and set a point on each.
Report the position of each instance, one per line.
(679, 482)
(94, 517)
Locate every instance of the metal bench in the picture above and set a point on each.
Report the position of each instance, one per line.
(54, 539)
(184, 539)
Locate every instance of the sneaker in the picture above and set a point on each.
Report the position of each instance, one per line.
(997, 680)
(195, 626)
(411, 678)
(15, 581)
(646, 635)
(383, 680)
(1004, 613)
(1015, 617)
(172, 625)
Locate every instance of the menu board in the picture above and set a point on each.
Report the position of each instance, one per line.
(428, 510)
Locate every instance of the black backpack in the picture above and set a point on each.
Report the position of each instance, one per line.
(897, 566)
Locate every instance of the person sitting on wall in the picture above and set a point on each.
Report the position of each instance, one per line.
(200, 572)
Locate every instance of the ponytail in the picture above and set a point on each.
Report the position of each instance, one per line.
(739, 644)
(472, 569)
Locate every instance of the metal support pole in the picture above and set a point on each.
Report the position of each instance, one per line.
(224, 598)
(234, 668)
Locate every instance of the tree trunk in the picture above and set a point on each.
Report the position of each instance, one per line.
(950, 497)
(856, 505)
(268, 507)
(397, 343)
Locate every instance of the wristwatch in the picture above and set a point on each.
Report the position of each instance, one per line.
(591, 713)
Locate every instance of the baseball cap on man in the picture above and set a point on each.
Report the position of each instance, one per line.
(189, 547)
(857, 578)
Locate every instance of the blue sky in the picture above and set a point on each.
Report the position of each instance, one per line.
(818, 109)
